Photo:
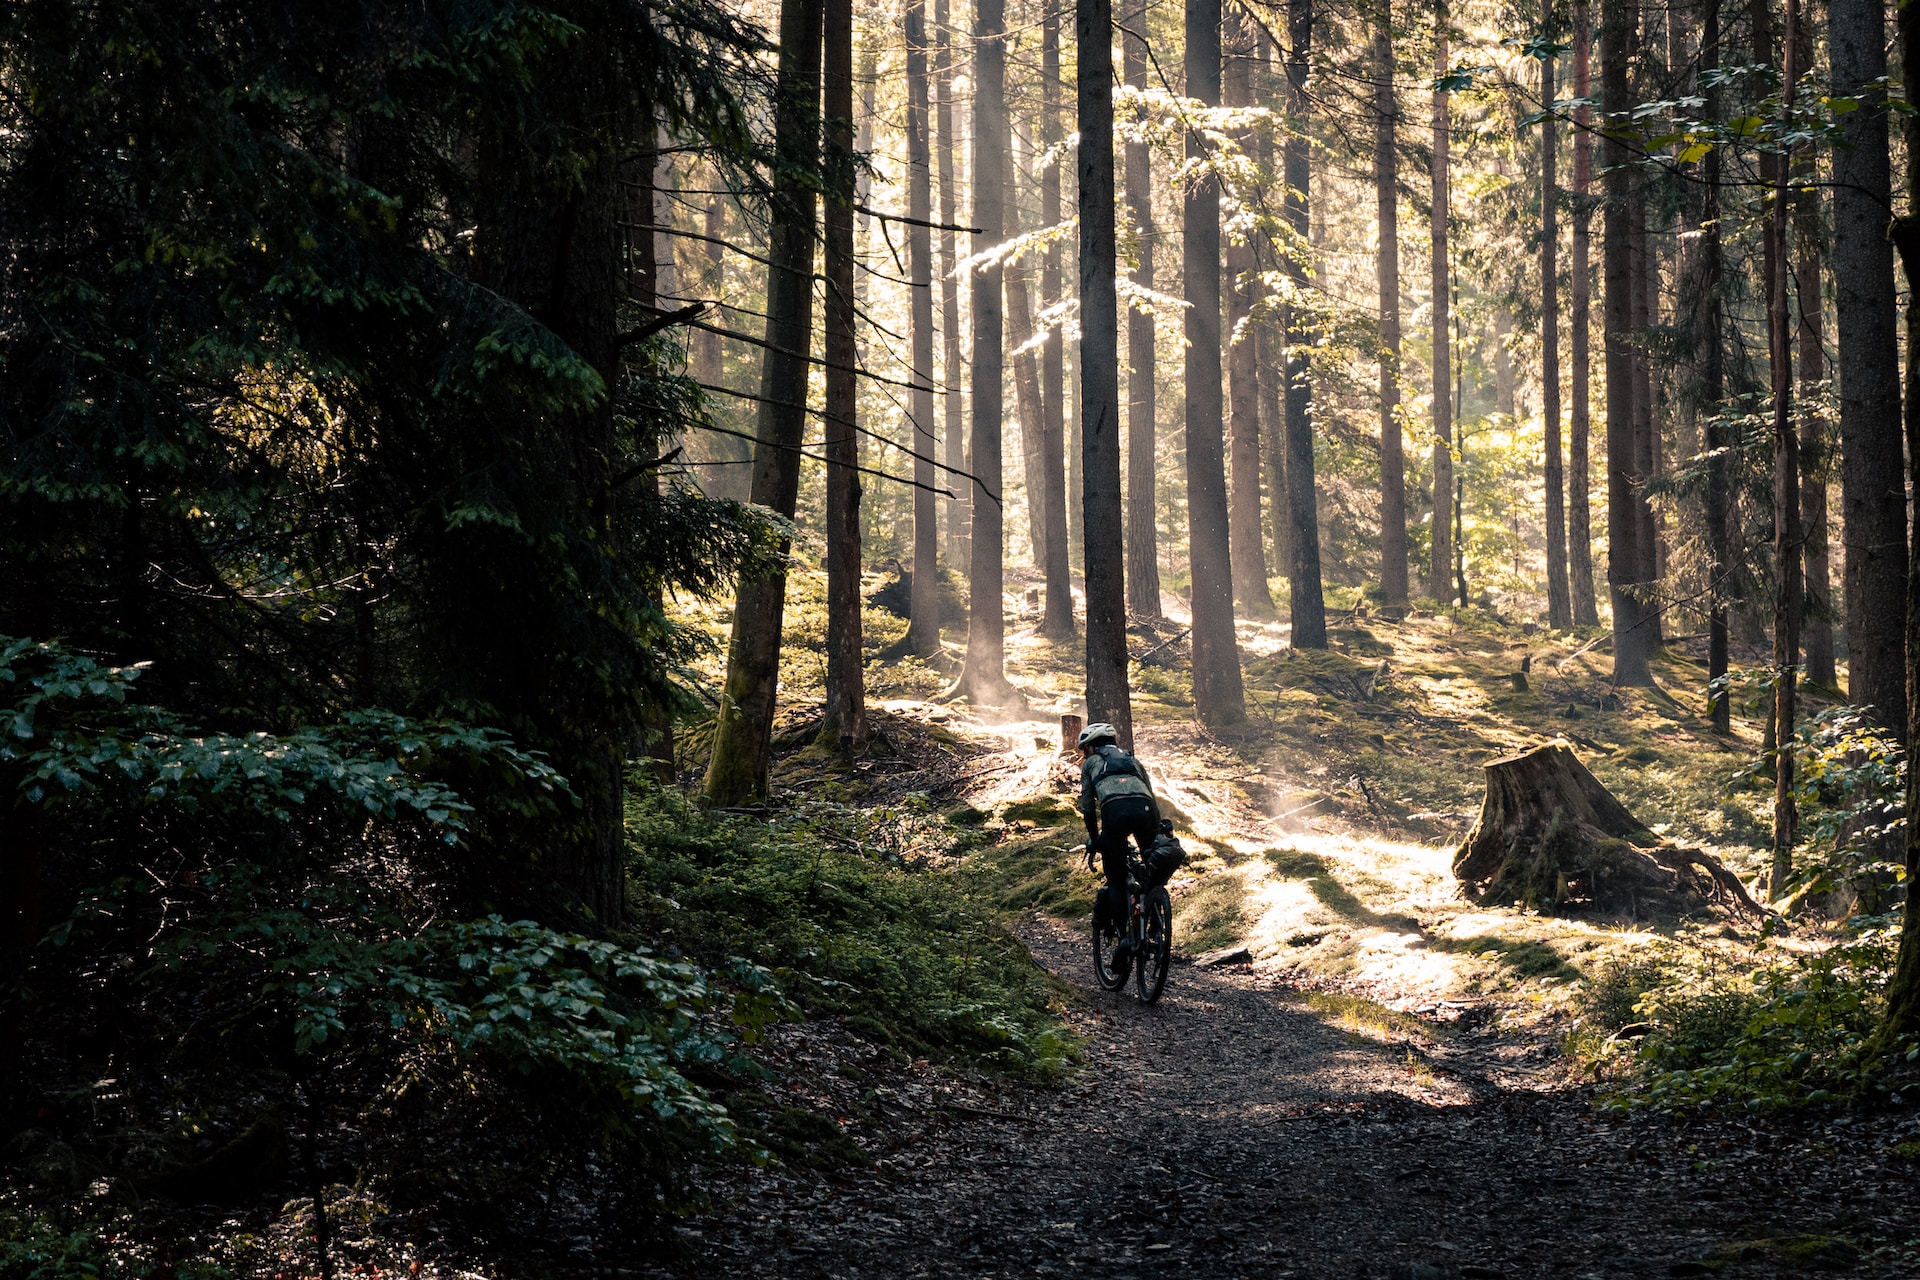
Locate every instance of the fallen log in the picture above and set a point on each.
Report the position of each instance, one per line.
(1551, 837)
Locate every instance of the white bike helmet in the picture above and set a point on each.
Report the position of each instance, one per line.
(1094, 734)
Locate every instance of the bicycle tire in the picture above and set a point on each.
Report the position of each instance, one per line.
(1105, 951)
(1156, 947)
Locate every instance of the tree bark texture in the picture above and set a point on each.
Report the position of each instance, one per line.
(923, 624)
(1440, 566)
(984, 677)
(1307, 608)
(1218, 694)
(844, 719)
(1109, 697)
(1246, 541)
(1872, 499)
(1580, 287)
(743, 727)
(1143, 550)
(1393, 464)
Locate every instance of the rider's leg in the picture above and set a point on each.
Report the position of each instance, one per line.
(1113, 864)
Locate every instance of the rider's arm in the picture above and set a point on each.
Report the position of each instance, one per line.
(1089, 802)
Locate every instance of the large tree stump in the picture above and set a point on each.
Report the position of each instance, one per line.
(1551, 837)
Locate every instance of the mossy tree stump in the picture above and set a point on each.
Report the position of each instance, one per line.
(1551, 837)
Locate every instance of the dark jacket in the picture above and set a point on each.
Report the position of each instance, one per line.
(1106, 773)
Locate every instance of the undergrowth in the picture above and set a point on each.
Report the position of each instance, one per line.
(1676, 1033)
(855, 920)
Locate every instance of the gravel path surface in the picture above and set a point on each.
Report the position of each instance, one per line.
(1232, 1131)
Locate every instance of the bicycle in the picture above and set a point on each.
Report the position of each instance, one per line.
(1149, 932)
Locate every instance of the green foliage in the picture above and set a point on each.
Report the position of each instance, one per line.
(1797, 1032)
(909, 956)
(33, 1248)
(267, 916)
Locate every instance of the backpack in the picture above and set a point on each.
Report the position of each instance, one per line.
(1119, 786)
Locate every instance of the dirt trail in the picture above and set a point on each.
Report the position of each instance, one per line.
(1232, 1131)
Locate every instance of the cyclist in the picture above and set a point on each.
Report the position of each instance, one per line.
(1117, 801)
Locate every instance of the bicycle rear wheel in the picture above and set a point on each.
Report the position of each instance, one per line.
(1110, 966)
(1156, 946)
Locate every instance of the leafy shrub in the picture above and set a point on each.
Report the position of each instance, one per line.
(1797, 1032)
(829, 901)
(242, 927)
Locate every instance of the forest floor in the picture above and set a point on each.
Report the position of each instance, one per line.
(1379, 1087)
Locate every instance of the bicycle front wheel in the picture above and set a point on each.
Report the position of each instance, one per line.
(1110, 963)
(1156, 946)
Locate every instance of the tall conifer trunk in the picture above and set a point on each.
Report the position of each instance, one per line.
(1713, 378)
(844, 719)
(923, 626)
(1903, 993)
(1627, 575)
(1057, 619)
(1580, 418)
(1218, 694)
(729, 473)
(1108, 695)
(1786, 475)
(1816, 635)
(952, 364)
(1307, 609)
(1440, 564)
(1559, 601)
(1143, 550)
(1872, 501)
(984, 677)
(1393, 465)
(743, 727)
(1245, 539)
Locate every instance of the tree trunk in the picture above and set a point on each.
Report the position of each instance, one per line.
(1503, 397)
(743, 728)
(1270, 370)
(1246, 542)
(1551, 837)
(1872, 501)
(1816, 635)
(1218, 695)
(923, 625)
(1108, 696)
(554, 249)
(728, 472)
(984, 677)
(1057, 620)
(1559, 601)
(1786, 476)
(1705, 325)
(1903, 993)
(1440, 568)
(844, 720)
(1580, 419)
(1393, 466)
(1026, 370)
(952, 364)
(1143, 551)
(1307, 609)
(1646, 436)
(1627, 578)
